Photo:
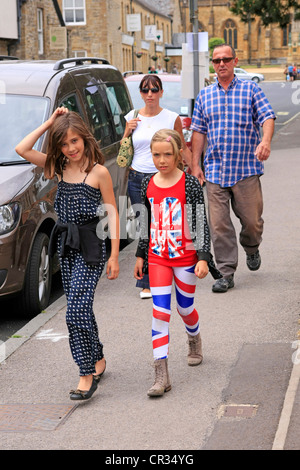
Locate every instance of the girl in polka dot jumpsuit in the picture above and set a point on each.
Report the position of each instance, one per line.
(74, 156)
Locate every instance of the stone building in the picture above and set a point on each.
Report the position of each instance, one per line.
(253, 42)
(131, 34)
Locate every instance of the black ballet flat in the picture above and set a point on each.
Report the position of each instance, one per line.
(84, 395)
(97, 377)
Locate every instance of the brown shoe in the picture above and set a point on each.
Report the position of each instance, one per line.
(162, 380)
(195, 356)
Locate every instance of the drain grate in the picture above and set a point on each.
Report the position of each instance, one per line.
(33, 417)
(237, 411)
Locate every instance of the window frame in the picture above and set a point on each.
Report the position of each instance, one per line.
(117, 98)
(230, 33)
(80, 53)
(73, 9)
(40, 31)
(99, 114)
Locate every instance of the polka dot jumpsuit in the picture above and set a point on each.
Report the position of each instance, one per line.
(78, 203)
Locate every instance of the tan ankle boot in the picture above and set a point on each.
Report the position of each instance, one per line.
(195, 356)
(162, 380)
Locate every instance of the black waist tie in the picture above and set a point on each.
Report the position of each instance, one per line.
(82, 238)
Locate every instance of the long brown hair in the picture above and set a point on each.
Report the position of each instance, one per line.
(55, 159)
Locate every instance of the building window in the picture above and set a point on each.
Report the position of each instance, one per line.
(40, 31)
(74, 12)
(286, 35)
(230, 33)
(80, 53)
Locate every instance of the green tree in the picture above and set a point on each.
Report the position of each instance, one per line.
(270, 11)
(245, 9)
(212, 42)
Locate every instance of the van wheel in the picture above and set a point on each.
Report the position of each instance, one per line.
(38, 279)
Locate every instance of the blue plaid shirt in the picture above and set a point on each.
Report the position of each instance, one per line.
(231, 119)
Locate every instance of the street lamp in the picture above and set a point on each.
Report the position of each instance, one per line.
(132, 47)
(194, 21)
(166, 59)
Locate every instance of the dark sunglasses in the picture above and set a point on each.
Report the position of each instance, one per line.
(153, 90)
(226, 60)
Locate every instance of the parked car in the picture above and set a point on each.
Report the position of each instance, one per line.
(29, 92)
(131, 72)
(171, 98)
(244, 75)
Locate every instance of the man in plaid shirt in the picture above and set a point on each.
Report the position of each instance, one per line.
(228, 116)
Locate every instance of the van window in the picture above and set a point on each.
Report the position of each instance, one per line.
(119, 105)
(99, 116)
(70, 102)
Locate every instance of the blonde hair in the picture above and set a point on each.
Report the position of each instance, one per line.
(169, 135)
(55, 161)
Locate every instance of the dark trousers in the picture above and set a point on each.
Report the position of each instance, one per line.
(247, 204)
(79, 282)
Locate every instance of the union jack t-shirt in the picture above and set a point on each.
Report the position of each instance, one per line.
(170, 241)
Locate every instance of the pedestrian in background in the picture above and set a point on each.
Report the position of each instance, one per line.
(291, 72)
(173, 210)
(175, 69)
(151, 118)
(294, 72)
(228, 116)
(152, 69)
(75, 158)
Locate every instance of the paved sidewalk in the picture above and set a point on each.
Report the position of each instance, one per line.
(250, 357)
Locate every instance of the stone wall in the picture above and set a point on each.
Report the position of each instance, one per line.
(101, 36)
(266, 43)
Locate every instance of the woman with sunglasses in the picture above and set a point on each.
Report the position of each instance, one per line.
(151, 118)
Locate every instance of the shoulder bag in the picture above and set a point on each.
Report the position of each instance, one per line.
(125, 155)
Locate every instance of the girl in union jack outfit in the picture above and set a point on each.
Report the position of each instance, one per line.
(174, 242)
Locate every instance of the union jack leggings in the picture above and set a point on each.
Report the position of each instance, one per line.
(161, 278)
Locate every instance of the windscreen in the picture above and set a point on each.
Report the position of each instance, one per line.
(19, 115)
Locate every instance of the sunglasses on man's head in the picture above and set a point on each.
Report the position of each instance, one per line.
(226, 60)
(145, 90)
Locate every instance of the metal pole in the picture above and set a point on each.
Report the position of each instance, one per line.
(132, 47)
